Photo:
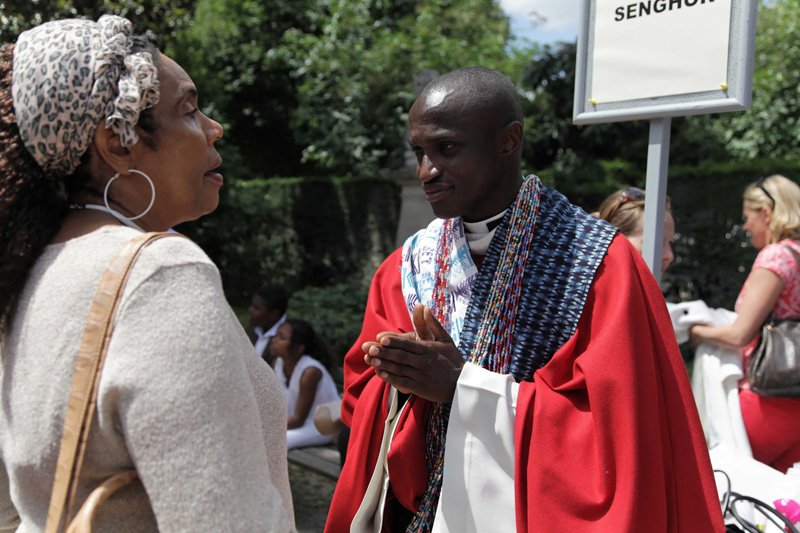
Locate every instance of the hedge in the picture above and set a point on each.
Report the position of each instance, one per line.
(321, 238)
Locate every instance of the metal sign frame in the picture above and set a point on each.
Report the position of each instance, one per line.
(736, 95)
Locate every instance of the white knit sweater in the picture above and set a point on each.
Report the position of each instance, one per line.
(183, 397)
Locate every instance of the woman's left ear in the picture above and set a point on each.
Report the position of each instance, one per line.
(111, 151)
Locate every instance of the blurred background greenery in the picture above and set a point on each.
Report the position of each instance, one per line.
(313, 95)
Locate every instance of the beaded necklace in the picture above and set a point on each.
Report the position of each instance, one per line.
(495, 333)
(439, 304)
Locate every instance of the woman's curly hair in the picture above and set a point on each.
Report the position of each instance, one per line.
(33, 202)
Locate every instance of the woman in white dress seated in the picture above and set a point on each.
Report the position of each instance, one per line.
(301, 361)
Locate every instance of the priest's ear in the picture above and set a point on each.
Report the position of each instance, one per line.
(512, 138)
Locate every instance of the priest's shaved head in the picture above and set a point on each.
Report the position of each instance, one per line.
(483, 88)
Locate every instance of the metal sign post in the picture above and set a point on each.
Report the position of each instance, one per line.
(657, 165)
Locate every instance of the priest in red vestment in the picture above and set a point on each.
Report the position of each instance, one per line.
(517, 368)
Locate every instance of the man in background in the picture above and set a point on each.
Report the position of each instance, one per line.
(266, 313)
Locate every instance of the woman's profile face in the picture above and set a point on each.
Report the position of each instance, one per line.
(280, 343)
(667, 255)
(756, 224)
(636, 238)
(184, 163)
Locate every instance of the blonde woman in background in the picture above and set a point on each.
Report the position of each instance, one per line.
(771, 213)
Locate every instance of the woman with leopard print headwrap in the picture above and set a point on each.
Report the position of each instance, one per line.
(101, 139)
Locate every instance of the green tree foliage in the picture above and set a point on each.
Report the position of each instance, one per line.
(335, 311)
(299, 232)
(771, 128)
(160, 19)
(356, 66)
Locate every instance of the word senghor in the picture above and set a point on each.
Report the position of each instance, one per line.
(641, 9)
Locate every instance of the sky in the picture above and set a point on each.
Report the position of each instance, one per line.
(543, 21)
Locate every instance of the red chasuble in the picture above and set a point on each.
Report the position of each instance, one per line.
(607, 435)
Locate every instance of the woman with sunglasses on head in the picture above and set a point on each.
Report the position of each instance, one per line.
(771, 214)
(625, 210)
(101, 139)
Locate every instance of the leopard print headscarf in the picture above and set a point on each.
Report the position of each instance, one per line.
(71, 74)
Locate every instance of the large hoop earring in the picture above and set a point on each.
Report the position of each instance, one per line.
(152, 196)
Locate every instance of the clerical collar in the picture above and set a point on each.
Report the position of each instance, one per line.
(479, 234)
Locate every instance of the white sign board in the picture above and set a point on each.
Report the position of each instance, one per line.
(658, 58)
(678, 51)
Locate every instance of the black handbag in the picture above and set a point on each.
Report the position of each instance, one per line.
(774, 367)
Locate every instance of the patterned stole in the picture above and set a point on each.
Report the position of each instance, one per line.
(522, 306)
(567, 249)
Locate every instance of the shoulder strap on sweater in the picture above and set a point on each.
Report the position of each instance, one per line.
(86, 377)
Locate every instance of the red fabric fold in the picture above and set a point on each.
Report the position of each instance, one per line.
(607, 436)
(385, 311)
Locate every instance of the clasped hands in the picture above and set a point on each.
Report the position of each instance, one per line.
(426, 363)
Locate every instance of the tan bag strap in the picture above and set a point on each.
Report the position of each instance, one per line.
(86, 377)
(85, 517)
